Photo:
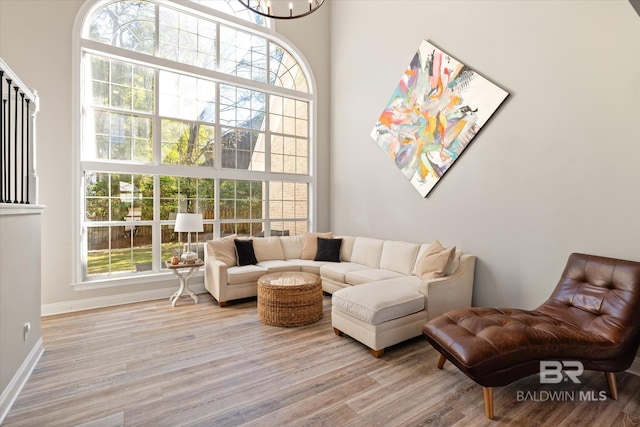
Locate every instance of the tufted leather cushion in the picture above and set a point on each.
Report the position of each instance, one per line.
(593, 316)
(599, 295)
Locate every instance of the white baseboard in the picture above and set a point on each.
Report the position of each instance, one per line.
(635, 367)
(14, 387)
(111, 300)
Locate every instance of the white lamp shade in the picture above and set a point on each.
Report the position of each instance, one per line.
(186, 222)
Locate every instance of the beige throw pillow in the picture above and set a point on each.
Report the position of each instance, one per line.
(310, 245)
(435, 261)
(223, 249)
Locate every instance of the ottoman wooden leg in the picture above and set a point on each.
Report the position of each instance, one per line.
(441, 361)
(488, 401)
(377, 353)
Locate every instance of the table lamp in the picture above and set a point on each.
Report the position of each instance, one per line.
(188, 223)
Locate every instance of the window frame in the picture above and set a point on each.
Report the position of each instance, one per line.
(83, 46)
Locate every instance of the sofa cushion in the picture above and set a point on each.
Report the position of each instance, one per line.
(310, 244)
(370, 275)
(268, 249)
(367, 251)
(223, 249)
(337, 271)
(274, 266)
(399, 256)
(375, 303)
(435, 261)
(328, 250)
(414, 282)
(347, 247)
(292, 246)
(307, 265)
(244, 274)
(244, 249)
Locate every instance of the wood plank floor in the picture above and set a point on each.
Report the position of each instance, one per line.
(149, 364)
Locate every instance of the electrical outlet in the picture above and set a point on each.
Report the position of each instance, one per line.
(26, 329)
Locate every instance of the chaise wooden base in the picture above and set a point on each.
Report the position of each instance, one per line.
(488, 391)
(488, 401)
(613, 386)
(338, 332)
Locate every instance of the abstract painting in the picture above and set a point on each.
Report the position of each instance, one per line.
(435, 112)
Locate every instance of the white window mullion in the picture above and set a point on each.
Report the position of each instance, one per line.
(156, 229)
(268, 61)
(218, 50)
(217, 232)
(156, 239)
(267, 134)
(217, 156)
(312, 194)
(267, 218)
(267, 156)
(84, 232)
(157, 123)
(156, 42)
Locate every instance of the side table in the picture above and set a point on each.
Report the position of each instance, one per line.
(184, 279)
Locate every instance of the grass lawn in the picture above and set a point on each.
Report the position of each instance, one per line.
(126, 260)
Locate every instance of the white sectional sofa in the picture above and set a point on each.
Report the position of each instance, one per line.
(378, 298)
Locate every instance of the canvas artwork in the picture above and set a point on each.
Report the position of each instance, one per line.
(433, 115)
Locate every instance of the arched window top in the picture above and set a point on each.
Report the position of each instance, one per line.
(126, 24)
(234, 8)
(190, 37)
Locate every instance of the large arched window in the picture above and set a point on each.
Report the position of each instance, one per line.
(187, 108)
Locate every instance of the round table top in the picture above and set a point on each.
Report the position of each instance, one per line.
(198, 263)
(289, 278)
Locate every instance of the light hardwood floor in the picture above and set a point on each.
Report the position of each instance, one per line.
(149, 364)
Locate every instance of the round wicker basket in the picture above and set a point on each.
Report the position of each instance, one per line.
(289, 299)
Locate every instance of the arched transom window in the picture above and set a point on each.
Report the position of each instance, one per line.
(187, 109)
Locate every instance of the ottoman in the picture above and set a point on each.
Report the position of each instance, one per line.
(289, 299)
(378, 314)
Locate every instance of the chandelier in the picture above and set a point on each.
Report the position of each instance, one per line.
(282, 9)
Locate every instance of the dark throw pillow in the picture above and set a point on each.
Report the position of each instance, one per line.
(328, 250)
(246, 255)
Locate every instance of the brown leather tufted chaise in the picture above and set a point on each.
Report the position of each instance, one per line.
(593, 316)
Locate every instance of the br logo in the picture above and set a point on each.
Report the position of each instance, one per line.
(551, 371)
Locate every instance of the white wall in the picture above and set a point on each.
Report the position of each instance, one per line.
(556, 170)
(19, 298)
(36, 42)
(310, 36)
